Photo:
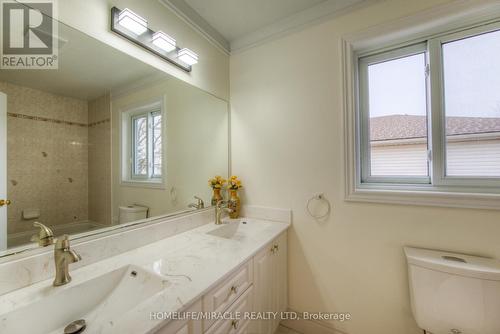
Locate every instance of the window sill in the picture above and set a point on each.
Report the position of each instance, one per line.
(143, 184)
(425, 197)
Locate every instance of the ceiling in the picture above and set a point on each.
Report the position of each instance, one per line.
(236, 24)
(236, 18)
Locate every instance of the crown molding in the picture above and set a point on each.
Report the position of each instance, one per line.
(197, 23)
(316, 14)
(323, 11)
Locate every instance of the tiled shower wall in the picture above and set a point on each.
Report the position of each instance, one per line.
(48, 157)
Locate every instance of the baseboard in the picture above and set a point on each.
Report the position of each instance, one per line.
(310, 326)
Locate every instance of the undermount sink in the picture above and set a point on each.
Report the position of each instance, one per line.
(230, 230)
(96, 300)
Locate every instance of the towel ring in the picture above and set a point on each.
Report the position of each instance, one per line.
(318, 197)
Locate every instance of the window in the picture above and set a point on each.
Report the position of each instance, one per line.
(396, 115)
(428, 114)
(142, 144)
(471, 75)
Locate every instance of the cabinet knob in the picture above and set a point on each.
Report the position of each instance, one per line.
(4, 202)
(276, 247)
(234, 289)
(235, 323)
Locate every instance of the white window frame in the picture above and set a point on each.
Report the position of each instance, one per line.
(364, 115)
(440, 190)
(148, 115)
(127, 134)
(438, 113)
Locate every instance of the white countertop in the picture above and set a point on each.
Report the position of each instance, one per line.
(192, 262)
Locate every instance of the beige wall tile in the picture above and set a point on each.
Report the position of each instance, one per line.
(47, 167)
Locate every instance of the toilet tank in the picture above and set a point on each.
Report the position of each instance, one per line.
(454, 293)
(132, 213)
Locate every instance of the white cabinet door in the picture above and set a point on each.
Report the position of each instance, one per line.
(270, 283)
(280, 277)
(184, 326)
(3, 170)
(263, 286)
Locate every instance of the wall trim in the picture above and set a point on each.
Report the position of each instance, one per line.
(314, 15)
(309, 326)
(411, 29)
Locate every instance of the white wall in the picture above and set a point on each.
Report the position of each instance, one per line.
(93, 18)
(287, 143)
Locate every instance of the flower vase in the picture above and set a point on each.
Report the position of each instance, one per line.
(216, 196)
(234, 204)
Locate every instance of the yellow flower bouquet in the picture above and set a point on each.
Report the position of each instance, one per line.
(234, 202)
(217, 182)
(234, 183)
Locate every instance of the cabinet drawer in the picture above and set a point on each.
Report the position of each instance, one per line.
(223, 295)
(239, 326)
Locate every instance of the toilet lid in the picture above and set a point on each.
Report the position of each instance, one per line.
(454, 263)
(133, 208)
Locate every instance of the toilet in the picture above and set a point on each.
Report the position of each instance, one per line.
(132, 213)
(454, 293)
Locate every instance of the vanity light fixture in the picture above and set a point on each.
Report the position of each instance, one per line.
(133, 22)
(188, 56)
(133, 27)
(164, 41)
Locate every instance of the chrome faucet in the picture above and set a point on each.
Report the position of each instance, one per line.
(221, 207)
(199, 205)
(63, 256)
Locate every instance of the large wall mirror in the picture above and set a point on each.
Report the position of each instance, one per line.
(103, 141)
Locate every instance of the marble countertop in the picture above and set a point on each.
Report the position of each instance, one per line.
(192, 262)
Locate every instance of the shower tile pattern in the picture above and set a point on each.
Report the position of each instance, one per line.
(48, 152)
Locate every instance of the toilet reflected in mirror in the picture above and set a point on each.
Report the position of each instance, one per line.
(131, 213)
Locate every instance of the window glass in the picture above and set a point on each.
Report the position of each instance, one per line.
(140, 128)
(157, 145)
(398, 117)
(472, 105)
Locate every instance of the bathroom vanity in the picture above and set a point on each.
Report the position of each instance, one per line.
(210, 271)
(258, 285)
